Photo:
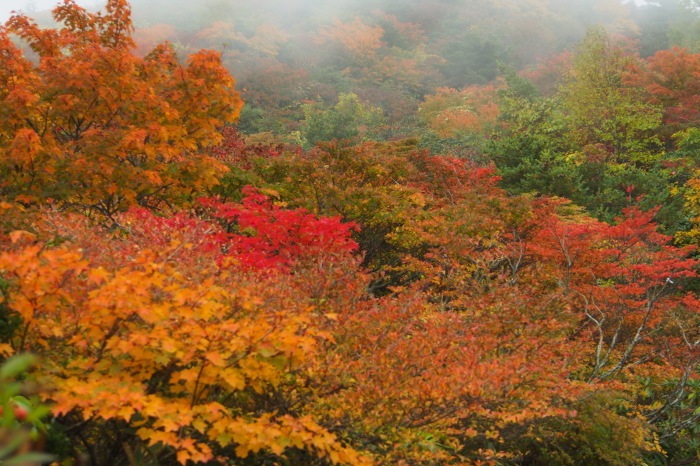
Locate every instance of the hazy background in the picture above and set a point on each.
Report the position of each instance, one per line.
(32, 6)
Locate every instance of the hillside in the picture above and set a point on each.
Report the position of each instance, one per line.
(394, 232)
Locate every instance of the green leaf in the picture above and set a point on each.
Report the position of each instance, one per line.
(30, 458)
(16, 365)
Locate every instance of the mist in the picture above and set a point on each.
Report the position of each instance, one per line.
(32, 7)
(42, 6)
(393, 53)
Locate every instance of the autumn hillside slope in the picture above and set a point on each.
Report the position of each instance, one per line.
(507, 274)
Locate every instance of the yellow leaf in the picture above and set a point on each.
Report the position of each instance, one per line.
(98, 276)
(235, 380)
(5, 349)
(267, 350)
(169, 345)
(215, 358)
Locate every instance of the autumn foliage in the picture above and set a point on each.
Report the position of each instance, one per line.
(87, 123)
(246, 328)
(672, 78)
(196, 295)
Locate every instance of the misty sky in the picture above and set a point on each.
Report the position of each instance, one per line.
(6, 6)
(28, 6)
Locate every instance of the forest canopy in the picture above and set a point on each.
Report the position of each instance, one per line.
(351, 232)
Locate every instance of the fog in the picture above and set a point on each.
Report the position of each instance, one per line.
(33, 6)
(465, 39)
(386, 49)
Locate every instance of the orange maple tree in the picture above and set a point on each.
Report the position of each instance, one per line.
(356, 37)
(184, 338)
(671, 78)
(89, 124)
(449, 111)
